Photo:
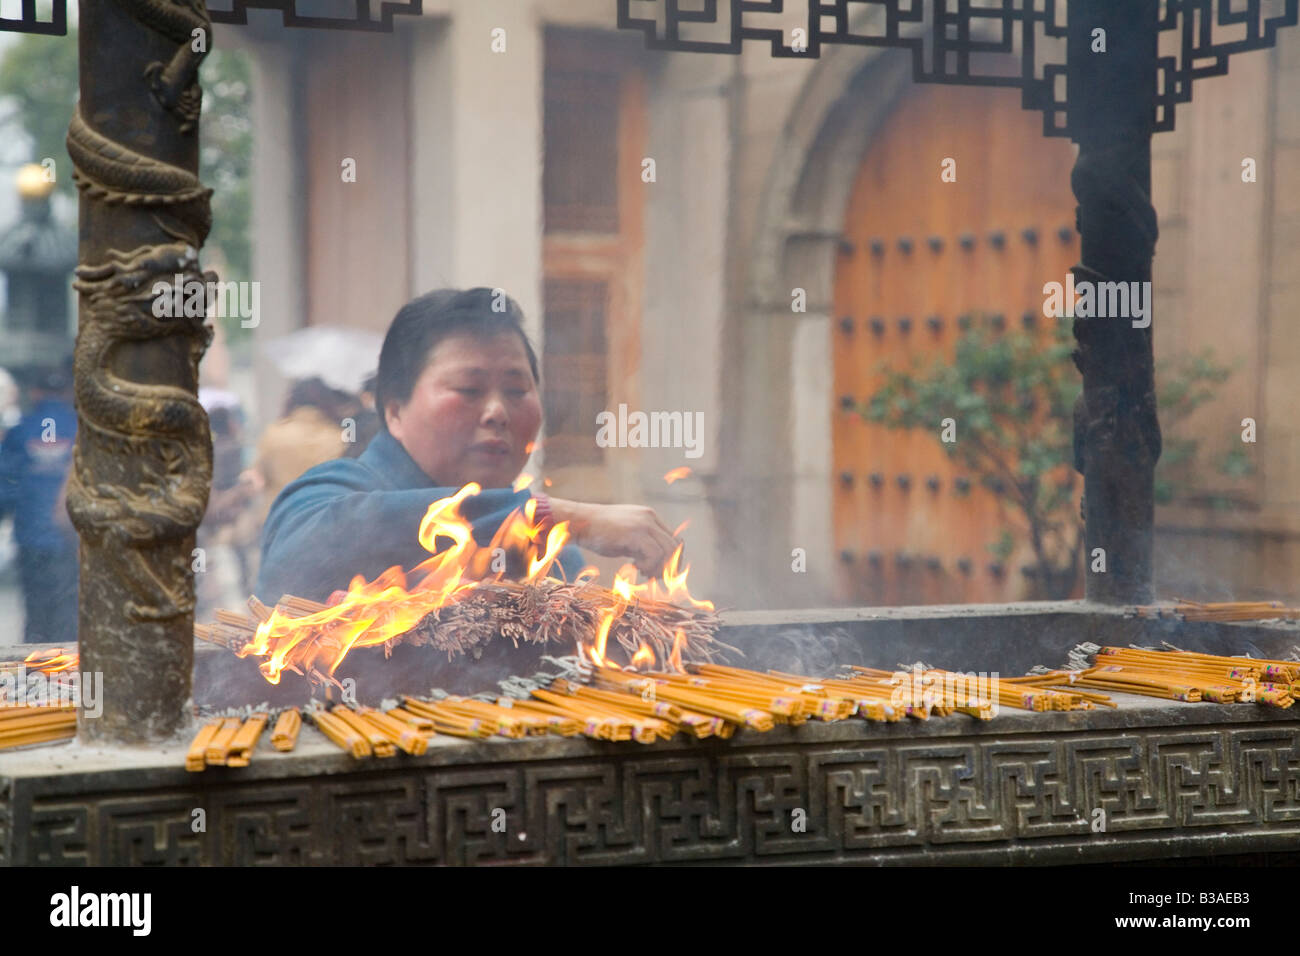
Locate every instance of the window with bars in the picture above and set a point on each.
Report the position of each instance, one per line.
(575, 368)
(579, 180)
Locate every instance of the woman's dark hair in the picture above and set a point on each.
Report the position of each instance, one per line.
(423, 323)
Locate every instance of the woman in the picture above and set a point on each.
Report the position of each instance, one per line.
(457, 395)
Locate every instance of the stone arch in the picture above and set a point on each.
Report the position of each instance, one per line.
(779, 402)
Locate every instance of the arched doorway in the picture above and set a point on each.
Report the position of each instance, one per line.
(909, 526)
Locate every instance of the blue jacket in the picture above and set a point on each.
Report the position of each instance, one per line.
(35, 459)
(361, 516)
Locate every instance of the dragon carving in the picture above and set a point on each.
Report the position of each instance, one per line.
(143, 455)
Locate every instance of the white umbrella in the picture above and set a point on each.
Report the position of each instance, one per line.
(213, 398)
(342, 358)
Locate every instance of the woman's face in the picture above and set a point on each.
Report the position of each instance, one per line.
(473, 412)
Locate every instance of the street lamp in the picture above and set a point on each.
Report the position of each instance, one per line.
(36, 257)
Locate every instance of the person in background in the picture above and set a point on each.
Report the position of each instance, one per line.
(459, 402)
(234, 494)
(10, 413)
(311, 432)
(367, 420)
(35, 461)
(10, 408)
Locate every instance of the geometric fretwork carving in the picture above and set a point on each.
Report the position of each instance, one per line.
(906, 799)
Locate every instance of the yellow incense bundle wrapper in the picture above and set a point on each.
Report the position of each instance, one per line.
(379, 742)
(219, 746)
(405, 737)
(23, 725)
(245, 740)
(196, 758)
(284, 736)
(341, 734)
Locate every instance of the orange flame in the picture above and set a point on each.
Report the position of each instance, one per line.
(677, 473)
(373, 613)
(644, 657)
(675, 656)
(52, 661)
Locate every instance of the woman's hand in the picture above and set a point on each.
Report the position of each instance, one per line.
(619, 531)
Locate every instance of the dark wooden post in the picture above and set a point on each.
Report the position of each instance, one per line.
(1111, 99)
(143, 460)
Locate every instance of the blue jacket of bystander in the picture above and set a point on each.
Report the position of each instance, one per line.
(35, 459)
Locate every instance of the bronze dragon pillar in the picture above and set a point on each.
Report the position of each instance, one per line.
(143, 458)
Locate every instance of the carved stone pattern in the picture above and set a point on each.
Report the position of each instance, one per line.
(732, 804)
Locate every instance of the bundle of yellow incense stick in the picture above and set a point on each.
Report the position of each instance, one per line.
(608, 717)
(365, 731)
(1186, 610)
(716, 700)
(927, 692)
(449, 720)
(225, 742)
(284, 736)
(21, 725)
(244, 740)
(1190, 675)
(737, 705)
(341, 733)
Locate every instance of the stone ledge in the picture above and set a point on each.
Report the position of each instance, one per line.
(1176, 779)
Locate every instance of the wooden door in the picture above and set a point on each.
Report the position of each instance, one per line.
(594, 133)
(925, 254)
